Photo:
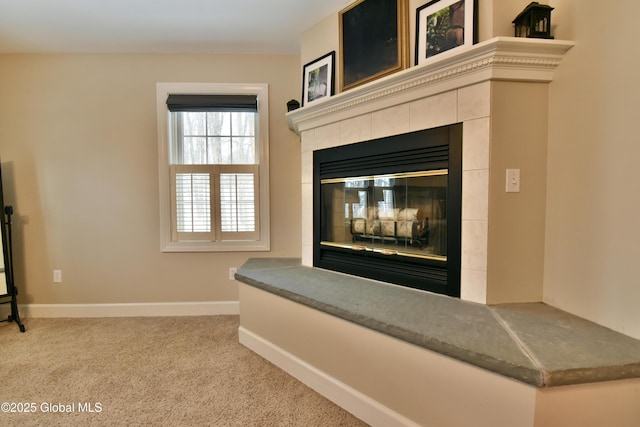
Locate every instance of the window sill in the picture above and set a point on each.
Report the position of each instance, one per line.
(235, 246)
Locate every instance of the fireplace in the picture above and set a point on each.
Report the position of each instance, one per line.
(496, 92)
(390, 209)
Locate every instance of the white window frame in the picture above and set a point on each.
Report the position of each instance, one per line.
(168, 243)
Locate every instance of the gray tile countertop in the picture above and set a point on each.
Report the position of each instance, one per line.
(533, 343)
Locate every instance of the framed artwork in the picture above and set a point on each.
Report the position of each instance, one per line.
(318, 79)
(442, 25)
(373, 40)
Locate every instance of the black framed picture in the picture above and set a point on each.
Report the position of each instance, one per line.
(442, 25)
(318, 78)
(373, 40)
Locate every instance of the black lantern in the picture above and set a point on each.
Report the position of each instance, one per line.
(534, 21)
(293, 105)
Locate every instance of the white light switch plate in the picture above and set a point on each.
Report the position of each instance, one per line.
(513, 181)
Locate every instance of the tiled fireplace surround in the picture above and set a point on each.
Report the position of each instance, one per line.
(467, 87)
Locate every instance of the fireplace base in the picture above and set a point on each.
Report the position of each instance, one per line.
(520, 341)
(370, 364)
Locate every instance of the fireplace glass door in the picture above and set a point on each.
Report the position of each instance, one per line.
(401, 214)
(390, 209)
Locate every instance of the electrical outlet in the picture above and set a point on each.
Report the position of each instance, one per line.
(57, 276)
(232, 272)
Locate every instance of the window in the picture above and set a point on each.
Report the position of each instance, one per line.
(213, 162)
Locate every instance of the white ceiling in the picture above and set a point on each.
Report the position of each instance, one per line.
(212, 26)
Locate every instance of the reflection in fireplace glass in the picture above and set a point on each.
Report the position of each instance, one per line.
(403, 214)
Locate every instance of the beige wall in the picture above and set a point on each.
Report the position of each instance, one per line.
(79, 154)
(609, 403)
(515, 253)
(593, 233)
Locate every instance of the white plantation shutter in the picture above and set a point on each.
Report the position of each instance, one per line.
(237, 211)
(238, 190)
(193, 200)
(204, 193)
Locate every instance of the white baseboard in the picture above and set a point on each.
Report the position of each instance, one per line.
(131, 309)
(360, 405)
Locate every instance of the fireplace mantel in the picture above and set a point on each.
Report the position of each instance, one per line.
(498, 91)
(500, 58)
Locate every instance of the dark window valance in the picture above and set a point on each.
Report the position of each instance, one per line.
(248, 103)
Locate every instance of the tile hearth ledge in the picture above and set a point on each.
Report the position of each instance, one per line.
(530, 342)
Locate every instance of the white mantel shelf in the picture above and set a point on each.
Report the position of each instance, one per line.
(501, 58)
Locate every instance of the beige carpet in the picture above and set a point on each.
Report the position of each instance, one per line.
(157, 371)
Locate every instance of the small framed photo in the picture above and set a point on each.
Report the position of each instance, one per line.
(373, 40)
(318, 79)
(442, 25)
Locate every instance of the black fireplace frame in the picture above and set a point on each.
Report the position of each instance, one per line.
(431, 149)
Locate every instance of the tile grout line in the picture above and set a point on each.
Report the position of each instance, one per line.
(523, 347)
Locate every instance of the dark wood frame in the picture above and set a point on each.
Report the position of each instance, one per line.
(372, 44)
(4, 246)
(424, 49)
(11, 295)
(316, 65)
